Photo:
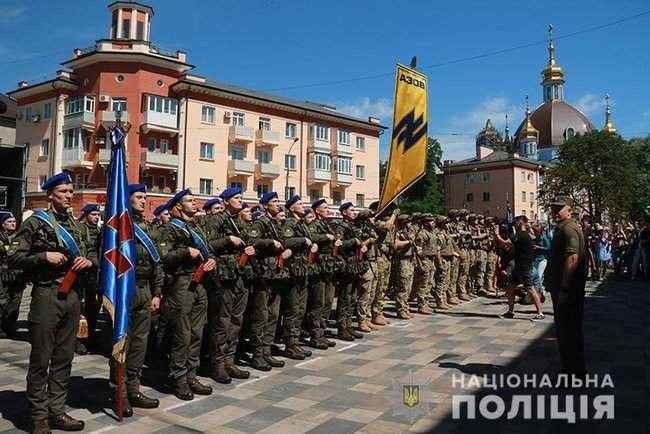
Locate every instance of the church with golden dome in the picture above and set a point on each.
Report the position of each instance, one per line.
(505, 174)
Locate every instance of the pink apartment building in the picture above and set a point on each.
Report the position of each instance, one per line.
(186, 130)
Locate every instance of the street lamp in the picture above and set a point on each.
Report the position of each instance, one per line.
(286, 181)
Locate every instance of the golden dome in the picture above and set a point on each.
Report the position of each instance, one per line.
(553, 71)
(609, 124)
(528, 130)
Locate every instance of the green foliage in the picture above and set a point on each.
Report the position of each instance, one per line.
(597, 171)
(640, 206)
(426, 194)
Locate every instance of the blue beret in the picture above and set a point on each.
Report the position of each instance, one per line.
(58, 179)
(230, 192)
(4, 216)
(345, 205)
(308, 210)
(292, 200)
(136, 188)
(318, 202)
(177, 197)
(267, 197)
(88, 208)
(208, 203)
(257, 214)
(160, 209)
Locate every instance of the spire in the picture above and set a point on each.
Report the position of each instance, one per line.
(528, 131)
(609, 124)
(507, 131)
(552, 75)
(488, 125)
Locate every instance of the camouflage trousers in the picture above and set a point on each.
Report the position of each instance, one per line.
(463, 271)
(403, 284)
(423, 281)
(382, 278)
(478, 270)
(372, 289)
(451, 285)
(441, 280)
(490, 271)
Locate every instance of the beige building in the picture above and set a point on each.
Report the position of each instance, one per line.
(185, 130)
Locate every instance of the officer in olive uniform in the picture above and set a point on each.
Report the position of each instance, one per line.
(91, 298)
(405, 257)
(454, 239)
(424, 268)
(481, 239)
(149, 279)
(445, 262)
(185, 256)
(214, 206)
(161, 214)
(367, 285)
(385, 229)
(12, 282)
(464, 243)
(491, 258)
(48, 246)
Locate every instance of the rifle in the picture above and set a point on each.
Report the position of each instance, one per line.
(243, 258)
(416, 256)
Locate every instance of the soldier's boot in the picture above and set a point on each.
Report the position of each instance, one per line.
(275, 363)
(199, 388)
(258, 362)
(221, 375)
(235, 372)
(380, 320)
(403, 314)
(424, 310)
(293, 351)
(373, 327)
(305, 351)
(364, 326)
(40, 426)
(66, 423)
(182, 390)
(344, 334)
(140, 400)
(464, 297)
(442, 306)
(453, 301)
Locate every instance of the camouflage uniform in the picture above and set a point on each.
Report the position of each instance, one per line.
(464, 260)
(92, 298)
(382, 269)
(443, 264)
(53, 318)
(368, 285)
(424, 268)
(12, 285)
(405, 269)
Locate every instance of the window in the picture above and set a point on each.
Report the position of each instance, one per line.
(486, 178)
(469, 197)
(161, 104)
(207, 151)
(289, 161)
(151, 144)
(126, 29)
(205, 186)
(523, 196)
(237, 153)
(361, 172)
(207, 114)
(3, 195)
(289, 192)
(344, 137)
(41, 180)
(486, 196)
(47, 110)
(569, 133)
(265, 124)
(531, 196)
(45, 148)
(263, 157)
(28, 114)
(71, 138)
(290, 130)
(322, 162)
(337, 197)
(361, 200)
(344, 165)
(262, 189)
(237, 184)
(79, 104)
(162, 182)
(139, 30)
(531, 179)
(361, 143)
(118, 104)
(322, 133)
(238, 119)
(164, 145)
(523, 176)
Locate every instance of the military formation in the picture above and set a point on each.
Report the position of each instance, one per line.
(231, 287)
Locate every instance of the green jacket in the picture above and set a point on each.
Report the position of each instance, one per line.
(147, 272)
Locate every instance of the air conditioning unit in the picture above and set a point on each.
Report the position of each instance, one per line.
(227, 116)
(36, 119)
(104, 98)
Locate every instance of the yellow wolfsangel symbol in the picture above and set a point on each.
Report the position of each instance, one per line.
(411, 395)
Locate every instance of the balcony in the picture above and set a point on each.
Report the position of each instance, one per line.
(75, 157)
(316, 176)
(341, 179)
(104, 156)
(108, 118)
(158, 160)
(241, 168)
(160, 122)
(238, 133)
(319, 145)
(344, 149)
(267, 170)
(82, 119)
(267, 138)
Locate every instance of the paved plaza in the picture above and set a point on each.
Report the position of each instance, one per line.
(359, 387)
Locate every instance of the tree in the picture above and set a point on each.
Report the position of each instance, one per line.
(596, 170)
(640, 207)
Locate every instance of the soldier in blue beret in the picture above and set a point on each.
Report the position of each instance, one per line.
(214, 206)
(12, 283)
(161, 213)
(49, 246)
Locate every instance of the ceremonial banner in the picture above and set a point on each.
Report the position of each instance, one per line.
(408, 146)
(118, 253)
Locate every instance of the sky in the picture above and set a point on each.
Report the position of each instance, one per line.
(298, 48)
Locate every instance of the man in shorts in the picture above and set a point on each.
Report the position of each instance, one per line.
(522, 273)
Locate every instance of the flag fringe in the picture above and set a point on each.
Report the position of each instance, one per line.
(119, 347)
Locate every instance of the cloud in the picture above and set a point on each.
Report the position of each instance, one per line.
(591, 104)
(381, 108)
(10, 13)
